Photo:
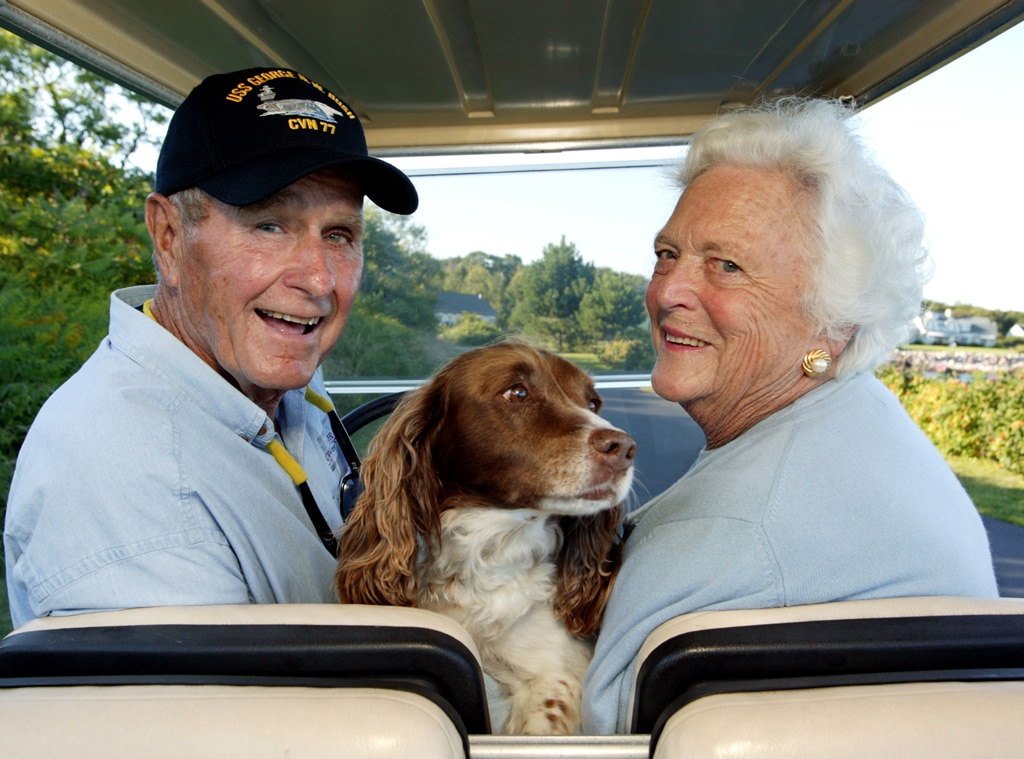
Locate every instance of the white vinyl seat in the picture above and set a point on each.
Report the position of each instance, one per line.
(902, 677)
(246, 681)
(901, 720)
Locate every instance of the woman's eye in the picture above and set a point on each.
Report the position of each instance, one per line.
(515, 393)
(729, 267)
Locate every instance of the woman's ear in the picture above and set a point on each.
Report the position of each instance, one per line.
(165, 229)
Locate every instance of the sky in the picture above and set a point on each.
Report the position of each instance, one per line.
(954, 140)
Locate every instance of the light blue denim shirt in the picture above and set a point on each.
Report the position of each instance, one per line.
(145, 481)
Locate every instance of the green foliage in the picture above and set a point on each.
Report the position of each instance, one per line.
(390, 331)
(5, 613)
(50, 102)
(629, 355)
(613, 306)
(471, 330)
(71, 226)
(982, 419)
(377, 345)
(482, 274)
(400, 279)
(552, 289)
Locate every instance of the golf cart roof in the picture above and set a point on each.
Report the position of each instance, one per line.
(445, 76)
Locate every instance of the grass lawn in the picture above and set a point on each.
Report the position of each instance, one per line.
(995, 491)
(588, 362)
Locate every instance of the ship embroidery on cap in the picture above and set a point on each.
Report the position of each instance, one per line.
(295, 107)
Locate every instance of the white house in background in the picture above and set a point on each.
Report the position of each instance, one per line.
(1017, 330)
(933, 328)
(451, 306)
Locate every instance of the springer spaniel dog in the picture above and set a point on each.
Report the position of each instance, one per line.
(493, 495)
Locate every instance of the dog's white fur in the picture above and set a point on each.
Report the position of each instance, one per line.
(496, 576)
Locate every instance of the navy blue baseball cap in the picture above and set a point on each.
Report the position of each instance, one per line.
(243, 136)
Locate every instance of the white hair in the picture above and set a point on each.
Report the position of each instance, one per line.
(867, 260)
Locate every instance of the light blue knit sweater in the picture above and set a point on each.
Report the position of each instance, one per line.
(838, 496)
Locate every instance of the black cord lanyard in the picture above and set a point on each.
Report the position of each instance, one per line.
(351, 487)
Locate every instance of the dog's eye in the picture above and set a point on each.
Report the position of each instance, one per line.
(515, 393)
(594, 404)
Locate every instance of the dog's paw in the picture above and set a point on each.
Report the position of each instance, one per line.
(551, 710)
(553, 717)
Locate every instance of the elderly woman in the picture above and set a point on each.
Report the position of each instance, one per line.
(789, 268)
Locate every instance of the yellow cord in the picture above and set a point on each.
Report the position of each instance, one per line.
(280, 453)
(287, 461)
(324, 404)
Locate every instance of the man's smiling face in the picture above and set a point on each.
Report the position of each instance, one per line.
(262, 292)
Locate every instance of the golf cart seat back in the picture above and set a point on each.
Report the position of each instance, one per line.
(908, 677)
(247, 681)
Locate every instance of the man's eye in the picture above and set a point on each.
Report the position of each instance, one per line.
(337, 238)
(268, 226)
(663, 260)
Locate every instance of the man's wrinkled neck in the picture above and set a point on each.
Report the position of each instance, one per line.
(164, 314)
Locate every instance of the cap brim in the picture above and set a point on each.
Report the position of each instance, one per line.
(257, 180)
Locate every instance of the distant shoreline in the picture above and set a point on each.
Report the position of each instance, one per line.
(956, 362)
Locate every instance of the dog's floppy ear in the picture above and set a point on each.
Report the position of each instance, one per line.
(588, 561)
(381, 540)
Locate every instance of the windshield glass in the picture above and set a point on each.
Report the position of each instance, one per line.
(538, 247)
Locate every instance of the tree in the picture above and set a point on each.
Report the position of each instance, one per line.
(471, 330)
(390, 331)
(480, 273)
(50, 102)
(614, 306)
(552, 290)
(400, 279)
(71, 223)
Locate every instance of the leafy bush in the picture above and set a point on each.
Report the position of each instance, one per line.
(629, 355)
(471, 330)
(982, 418)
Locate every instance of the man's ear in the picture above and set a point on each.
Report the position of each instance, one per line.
(165, 229)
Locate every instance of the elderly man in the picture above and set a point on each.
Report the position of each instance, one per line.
(193, 459)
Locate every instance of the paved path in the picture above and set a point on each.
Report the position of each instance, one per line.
(666, 450)
(1008, 552)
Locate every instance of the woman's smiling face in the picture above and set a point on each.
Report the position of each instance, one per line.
(262, 292)
(725, 299)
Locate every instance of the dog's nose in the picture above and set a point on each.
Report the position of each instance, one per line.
(615, 447)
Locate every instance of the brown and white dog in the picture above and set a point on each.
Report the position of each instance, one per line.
(493, 495)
